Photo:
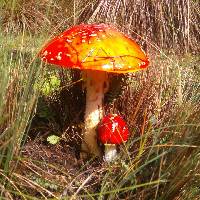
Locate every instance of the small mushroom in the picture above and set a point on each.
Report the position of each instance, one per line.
(96, 49)
(112, 130)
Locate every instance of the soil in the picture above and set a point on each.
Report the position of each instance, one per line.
(58, 169)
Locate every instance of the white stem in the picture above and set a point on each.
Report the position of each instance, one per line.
(96, 85)
(110, 152)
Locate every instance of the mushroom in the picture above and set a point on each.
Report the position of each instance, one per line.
(112, 130)
(96, 49)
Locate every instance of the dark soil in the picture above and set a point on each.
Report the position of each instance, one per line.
(55, 154)
(57, 169)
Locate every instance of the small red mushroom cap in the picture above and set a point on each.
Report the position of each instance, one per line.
(95, 47)
(112, 130)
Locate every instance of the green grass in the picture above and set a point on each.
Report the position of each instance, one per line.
(19, 72)
(160, 105)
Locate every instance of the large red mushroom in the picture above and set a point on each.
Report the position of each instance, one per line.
(96, 49)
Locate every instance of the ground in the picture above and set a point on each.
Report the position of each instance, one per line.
(56, 168)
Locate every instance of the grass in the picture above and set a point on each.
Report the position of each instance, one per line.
(19, 72)
(160, 105)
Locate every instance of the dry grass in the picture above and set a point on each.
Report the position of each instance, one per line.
(172, 25)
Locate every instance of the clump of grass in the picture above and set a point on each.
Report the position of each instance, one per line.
(161, 160)
(19, 72)
(29, 16)
(168, 24)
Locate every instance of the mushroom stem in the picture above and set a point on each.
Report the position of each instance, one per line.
(110, 152)
(96, 83)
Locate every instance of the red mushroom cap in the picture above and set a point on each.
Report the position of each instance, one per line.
(95, 47)
(112, 130)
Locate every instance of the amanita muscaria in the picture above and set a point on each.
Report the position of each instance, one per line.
(96, 49)
(112, 130)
